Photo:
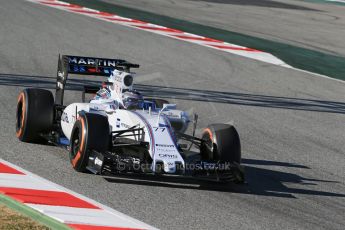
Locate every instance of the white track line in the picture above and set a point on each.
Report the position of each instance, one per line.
(341, 1)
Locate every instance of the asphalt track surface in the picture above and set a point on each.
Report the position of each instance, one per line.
(311, 25)
(290, 123)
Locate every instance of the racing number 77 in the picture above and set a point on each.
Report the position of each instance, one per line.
(159, 128)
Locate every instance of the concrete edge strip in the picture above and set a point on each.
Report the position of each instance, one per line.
(318, 75)
(60, 204)
(165, 31)
(340, 1)
(32, 213)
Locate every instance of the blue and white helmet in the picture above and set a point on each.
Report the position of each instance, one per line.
(132, 100)
(103, 93)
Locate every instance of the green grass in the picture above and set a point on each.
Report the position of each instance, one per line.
(12, 220)
(14, 215)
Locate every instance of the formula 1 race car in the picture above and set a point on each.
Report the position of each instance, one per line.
(119, 131)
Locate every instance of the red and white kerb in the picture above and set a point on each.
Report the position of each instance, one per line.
(61, 204)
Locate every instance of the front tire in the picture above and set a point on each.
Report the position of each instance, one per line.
(221, 143)
(34, 115)
(90, 132)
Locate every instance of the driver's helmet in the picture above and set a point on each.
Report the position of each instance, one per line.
(132, 100)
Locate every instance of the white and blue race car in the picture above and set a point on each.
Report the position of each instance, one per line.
(120, 131)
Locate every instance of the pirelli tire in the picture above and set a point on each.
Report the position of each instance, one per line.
(90, 132)
(34, 114)
(221, 143)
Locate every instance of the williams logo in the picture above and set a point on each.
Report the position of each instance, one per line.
(166, 146)
(170, 156)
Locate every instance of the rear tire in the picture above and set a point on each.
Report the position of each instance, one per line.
(34, 115)
(90, 132)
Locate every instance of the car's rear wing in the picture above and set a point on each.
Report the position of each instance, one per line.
(85, 66)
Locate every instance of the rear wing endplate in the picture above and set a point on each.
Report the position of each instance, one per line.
(85, 66)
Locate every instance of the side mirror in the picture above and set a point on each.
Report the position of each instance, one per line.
(165, 106)
(168, 106)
